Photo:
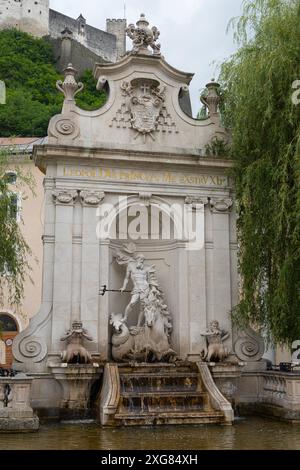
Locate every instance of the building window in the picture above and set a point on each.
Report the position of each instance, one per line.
(7, 323)
(10, 177)
(2, 352)
(14, 207)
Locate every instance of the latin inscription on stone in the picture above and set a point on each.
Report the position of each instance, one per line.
(115, 174)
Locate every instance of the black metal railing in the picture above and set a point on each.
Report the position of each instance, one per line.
(7, 372)
(283, 367)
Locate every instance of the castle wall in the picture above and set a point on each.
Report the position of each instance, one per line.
(34, 17)
(99, 42)
(118, 28)
(69, 51)
(31, 16)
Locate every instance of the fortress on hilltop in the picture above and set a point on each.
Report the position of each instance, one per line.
(74, 40)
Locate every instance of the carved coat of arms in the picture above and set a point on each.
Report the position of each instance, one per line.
(145, 102)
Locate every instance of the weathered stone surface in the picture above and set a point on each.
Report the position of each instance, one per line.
(76, 382)
(19, 425)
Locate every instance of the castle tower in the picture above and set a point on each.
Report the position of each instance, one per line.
(118, 28)
(31, 16)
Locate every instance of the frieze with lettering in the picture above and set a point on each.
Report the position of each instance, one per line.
(151, 177)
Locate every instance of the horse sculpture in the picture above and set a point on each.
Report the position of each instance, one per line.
(145, 344)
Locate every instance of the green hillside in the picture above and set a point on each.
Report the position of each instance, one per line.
(27, 67)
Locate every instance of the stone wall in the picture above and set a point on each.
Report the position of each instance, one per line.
(118, 28)
(68, 50)
(99, 42)
(31, 16)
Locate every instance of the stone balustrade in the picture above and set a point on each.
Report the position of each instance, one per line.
(16, 414)
(272, 393)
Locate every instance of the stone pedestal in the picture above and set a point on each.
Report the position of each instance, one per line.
(16, 414)
(76, 381)
(226, 376)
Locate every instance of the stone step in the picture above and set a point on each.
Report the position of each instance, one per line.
(163, 403)
(156, 369)
(172, 417)
(161, 393)
(167, 383)
(158, 375)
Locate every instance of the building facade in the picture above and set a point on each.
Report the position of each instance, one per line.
(30, 214)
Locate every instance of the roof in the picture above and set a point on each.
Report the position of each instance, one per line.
(22, 144)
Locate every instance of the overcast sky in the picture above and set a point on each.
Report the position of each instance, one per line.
(193, 32)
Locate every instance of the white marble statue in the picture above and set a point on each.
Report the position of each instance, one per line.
(214, 348)
(140, 277)
(150, 338)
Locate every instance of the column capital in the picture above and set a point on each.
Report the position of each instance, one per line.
(196, 201)
(91, 198)
(145, 198)
(219, 205)
(65, 197)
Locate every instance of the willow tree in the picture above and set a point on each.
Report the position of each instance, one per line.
(15, 253)
(263, 112)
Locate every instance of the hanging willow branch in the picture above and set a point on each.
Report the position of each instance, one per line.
(257, 88)
(15, 253)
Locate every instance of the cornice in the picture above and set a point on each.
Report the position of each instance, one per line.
(45, 154)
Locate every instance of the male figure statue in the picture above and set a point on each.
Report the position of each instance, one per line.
(215, 348)
(139, 274)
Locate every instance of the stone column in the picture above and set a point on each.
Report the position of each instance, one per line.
(197, 278)
(76, 265)
(104, 312)
(181, 322)
(220, 208)
(48, 241)
(63, 264)
(90, 282)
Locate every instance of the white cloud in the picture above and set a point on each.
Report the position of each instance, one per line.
(193, 32)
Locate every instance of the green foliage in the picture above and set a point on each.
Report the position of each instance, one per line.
(14, 251)
(23, 115)
(257, 91)
(27, 67)
(202, 114)
(217, 148)
(90, 99)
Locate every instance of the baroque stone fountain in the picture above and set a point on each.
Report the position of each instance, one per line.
(152, 386)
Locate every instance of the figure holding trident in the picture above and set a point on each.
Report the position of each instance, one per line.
(146, 290)
(139, 274)
(149, 340)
